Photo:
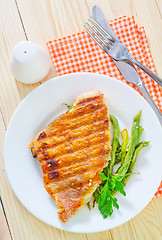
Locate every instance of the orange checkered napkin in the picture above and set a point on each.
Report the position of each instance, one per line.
(79, 53)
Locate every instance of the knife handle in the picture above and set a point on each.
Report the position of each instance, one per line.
(148, 71)
(150, 101)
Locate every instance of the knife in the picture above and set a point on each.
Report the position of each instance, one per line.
(128, 70)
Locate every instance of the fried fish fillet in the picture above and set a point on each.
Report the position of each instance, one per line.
(73, 150)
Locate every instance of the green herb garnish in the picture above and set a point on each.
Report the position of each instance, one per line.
(107, 201)
(69, 106)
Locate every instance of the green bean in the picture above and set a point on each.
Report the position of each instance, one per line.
(140, 131)
(118, 157)
(88, 205)
(118, 154)
(129, 172)
(138, 148)
(115, 141)
(125, 137)
(121, 150)
(134, 139)
(96, 195)
(118, 147)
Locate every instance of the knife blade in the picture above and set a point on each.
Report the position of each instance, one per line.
(127, 70)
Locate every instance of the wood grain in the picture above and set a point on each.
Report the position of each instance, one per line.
(147, 224)
(148, 15)
(125, 231)
(4, 231)
(159, 6)
(11, 91)
(100, 236)
(157, 206)
(40, 21)
(119, 8)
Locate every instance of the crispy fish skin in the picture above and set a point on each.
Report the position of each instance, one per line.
(73, 150)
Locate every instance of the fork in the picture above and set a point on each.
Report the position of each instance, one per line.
(119, 52)
(114, 48)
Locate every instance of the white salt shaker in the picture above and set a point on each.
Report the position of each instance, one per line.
(30, 63)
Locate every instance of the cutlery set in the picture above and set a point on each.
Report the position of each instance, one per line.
(102, 33)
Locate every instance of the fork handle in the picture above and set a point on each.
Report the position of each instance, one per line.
(150, 101)
(148, 71)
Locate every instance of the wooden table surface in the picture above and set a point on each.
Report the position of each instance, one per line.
(40, 21)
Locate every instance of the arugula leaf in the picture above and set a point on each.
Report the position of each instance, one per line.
(103, 176)
(114, 201)
(105, 202)
(69, 106)
(112, 183)
(105, 192)
(119, 187)
(107, 209)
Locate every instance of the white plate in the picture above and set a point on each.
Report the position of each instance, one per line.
(44, 104)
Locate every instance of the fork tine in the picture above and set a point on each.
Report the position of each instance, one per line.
(106, 40)
(95, 39)
(102, 29)
(98, 30)
(106, 43)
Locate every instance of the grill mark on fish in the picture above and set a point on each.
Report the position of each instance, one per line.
(74, 123)
(65, 186)
(76, 169)
(77, 156)
(71, 116)
(60, 138)
(66, 148)
(53, 174)
(89, 100)
(76, 179)
(72, 164)
(52, 162)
